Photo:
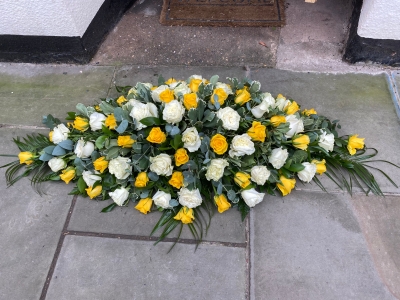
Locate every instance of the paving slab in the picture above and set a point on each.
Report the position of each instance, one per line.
(30, 229)
(361, 102)
(226, 227)
(380, 222)
(103, 268)
(27, 91)
(139, 38)
(309, 245)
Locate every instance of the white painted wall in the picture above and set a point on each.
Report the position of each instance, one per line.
(47, 17)
(380, 19)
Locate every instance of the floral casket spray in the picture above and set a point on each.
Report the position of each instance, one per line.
(187, 147)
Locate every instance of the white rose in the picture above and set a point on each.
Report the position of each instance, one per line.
(241, 145)
(326, 141)
(195, 77)
(227, 89)
(252, 197)
(140, 111)
(295, 126)
(120, 167)
(267, 102)
(180, 87)
(161, 164)
(83, 149)
(156, 92)
(90, 178)
(190, 199)
(96, 121)
(56, 164)
(162, 199)
(119, 196)
(173, 112)
(60, 133)
(260, 174)
(230, 118)
(278, 157)
(308, 172)
(191, 139)
(281, 102)
(216, 169)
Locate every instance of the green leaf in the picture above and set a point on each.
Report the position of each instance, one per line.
(192, 114)
(109, 208)
(243, 208)
(49, 149)
(58, 151)
(150, 121)
(67, 144)
(81, 185)
(106, 108)
(122, 127)
(100, 141)
(82, 109)
(112, 153)
(45, 157)
(214, 79)
(201, 105)
(296, 167)
(161, 80)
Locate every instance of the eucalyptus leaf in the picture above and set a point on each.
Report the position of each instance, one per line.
(58, 151)
(122, 127)
(82, 109)
(153, 176)
(66, 144)
(45, 157)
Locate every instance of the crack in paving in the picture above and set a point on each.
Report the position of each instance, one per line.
(58, 250)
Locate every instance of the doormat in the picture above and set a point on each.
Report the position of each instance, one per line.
(223, 13)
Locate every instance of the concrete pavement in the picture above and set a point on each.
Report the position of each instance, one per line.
(310, 245)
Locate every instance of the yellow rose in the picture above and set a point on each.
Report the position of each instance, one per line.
(185, 215)
(94, 192)
(286, 185)
(301, 141)
(156, 136)
(308, 112)
(222, 95)
(171, 80)
(125, 141)
(190, 100)
(277, 120)
(219, 144)
(100, 164)
(97, 108)
(110, 121)
(291, 108)
(176, 180)
(26, 157)
(242, 96)
(355, 143)
(257, 132)
(81, 123)
(194, 84)
(321, 167)
(144, 205)
(167, 96)
(68, 174)
(141, 180)
(181, 157)
(121, 100)
(242, 179)
(51, 136)
(222, 203)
